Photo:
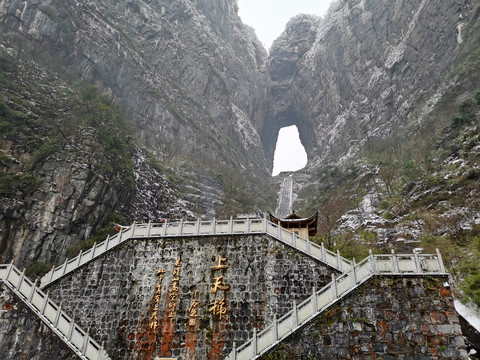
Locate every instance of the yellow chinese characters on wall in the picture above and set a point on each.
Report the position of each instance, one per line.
(174, 289)
(219, 306)
(153, 323)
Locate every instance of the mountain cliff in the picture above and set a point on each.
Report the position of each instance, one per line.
(121, 111)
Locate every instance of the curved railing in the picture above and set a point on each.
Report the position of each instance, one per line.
(201, 228)
(338, 288)
(52, 315)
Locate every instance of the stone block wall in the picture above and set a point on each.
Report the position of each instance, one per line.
(387, 318)
(23, 336)
(187, 298)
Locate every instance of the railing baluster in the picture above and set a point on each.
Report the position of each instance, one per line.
(396, 270)
(248, 225)
(264, 224)
(57, 315)
(197, 226)
(275, 328)
(165, 228)
(85, 341)
(230, 225)
(339, 261)
(294, 239)
(295, 314)
(440, 261)
(334, 287)
(213, 226)
(234, 351)
(133, 230)
(45, 301)
(180, 227)
(70, 329)
(20, 279)
(79, 256)
(95, 245)
(32, 291)
(324, 255)
(315, 300)
(64, 267)
(354, 273)
(254, 342)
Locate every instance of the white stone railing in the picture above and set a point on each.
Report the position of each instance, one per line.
(201, 228)
(338, 288)
(52, 315)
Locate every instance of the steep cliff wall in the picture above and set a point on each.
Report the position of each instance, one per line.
(359, 72)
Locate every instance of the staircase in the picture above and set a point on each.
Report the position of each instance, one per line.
(51, 314)
(214, 227)
(337, 289)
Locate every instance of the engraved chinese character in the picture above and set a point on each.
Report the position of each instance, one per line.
(160, 273)
(219, 285)
(177, 262)
(218, 308)
(220, 265)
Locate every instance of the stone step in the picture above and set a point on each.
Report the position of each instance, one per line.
(51, 314)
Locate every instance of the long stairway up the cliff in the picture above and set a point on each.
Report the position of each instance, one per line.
(249, 226)
(78, 340)
(285, 197)
(374, 265)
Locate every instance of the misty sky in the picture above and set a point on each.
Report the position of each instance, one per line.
(268, 18)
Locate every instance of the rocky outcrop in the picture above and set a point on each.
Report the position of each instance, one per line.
(359, 72)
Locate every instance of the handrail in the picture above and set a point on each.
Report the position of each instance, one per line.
(373, 265)
(201, 228)
(51, 314)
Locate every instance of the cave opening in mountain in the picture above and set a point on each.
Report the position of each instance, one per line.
(290, 154)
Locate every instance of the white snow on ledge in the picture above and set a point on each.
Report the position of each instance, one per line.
(468, 313)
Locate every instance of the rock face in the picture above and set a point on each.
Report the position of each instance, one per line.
(359, 72)
(181, 70)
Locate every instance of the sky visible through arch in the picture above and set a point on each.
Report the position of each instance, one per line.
(268, 18)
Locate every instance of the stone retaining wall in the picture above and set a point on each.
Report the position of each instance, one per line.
(130, 300)
(23, 336)
(387, 318)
